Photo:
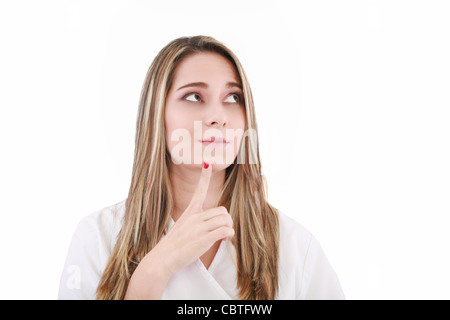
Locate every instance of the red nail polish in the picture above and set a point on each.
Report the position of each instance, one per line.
(205, 165)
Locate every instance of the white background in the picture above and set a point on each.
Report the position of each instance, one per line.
(353, 107)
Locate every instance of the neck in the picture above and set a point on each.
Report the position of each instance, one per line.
(184, 180)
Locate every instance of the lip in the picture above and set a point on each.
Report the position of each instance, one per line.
(214, 140)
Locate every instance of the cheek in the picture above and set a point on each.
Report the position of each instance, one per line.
(172, 124)
(237, 130)
(179, 130)
(241, 120)
(238, 119)
(174, 117)
(177, 117)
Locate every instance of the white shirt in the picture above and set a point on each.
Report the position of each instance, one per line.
(304, 270)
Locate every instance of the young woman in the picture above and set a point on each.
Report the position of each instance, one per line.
(196, 223)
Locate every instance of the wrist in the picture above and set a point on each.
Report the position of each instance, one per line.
(149, 279)
(156, 265)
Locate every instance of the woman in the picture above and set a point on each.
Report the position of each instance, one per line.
(196, 223)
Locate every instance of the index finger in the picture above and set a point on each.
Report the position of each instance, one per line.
(202, 188)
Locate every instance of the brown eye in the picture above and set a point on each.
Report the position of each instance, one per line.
(194, 97)
(233, 98)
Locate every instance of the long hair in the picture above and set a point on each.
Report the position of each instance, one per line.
(149, 203)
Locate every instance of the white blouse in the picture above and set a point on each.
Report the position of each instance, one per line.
(304, 270)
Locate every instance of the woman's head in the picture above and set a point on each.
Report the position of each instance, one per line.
(204, 112)
(196, 89)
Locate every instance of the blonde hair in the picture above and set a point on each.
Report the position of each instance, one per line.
(149, 203)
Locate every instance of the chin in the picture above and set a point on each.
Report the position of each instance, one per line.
(219, 167)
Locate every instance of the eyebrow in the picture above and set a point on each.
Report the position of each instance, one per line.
(205, 85)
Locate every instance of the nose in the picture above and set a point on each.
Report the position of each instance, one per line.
(216, 118)
(216, 123)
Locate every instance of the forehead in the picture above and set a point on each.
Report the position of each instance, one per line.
(205, 67)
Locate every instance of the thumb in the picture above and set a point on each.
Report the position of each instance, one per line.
(202, 188)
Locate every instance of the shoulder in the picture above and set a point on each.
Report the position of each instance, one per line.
(103, 224)
(305, 271)
(292, 231)
(295, 241)
(89, 250)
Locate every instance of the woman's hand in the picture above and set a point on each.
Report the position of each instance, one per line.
(190, 237)
(196, 230)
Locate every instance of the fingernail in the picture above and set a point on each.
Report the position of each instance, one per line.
(205, 165)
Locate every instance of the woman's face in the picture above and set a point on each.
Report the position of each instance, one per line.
(205, 113)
